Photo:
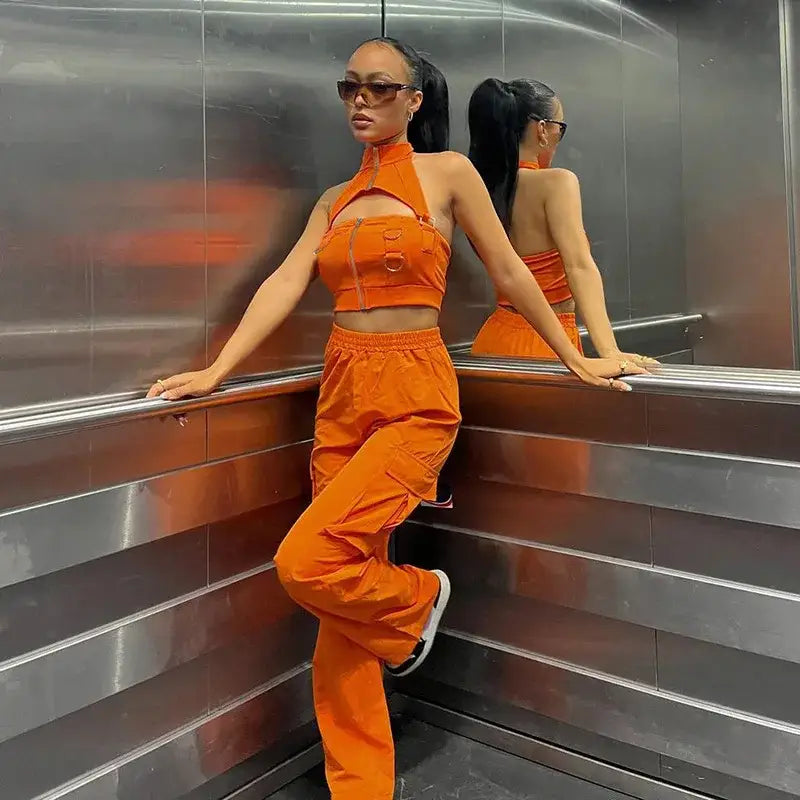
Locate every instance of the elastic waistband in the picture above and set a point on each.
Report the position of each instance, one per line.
(385, 342)
(511, 316)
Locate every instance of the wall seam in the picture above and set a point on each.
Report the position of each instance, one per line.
(784, 33)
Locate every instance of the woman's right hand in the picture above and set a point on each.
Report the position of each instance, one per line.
(187, 384)
(605, 372)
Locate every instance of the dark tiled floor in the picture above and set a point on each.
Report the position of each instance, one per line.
(435, 765)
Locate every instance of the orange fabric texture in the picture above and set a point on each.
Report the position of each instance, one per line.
(386, 421)
(386, 261)
(507, 333)
(547, 268)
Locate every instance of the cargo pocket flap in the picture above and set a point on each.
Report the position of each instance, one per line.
(414, 474)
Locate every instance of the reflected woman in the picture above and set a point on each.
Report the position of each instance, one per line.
(388, 411)
(515, 129)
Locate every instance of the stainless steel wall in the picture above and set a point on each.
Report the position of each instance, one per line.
(615, 66)
(158, 162)
(738, 264)
(623, 581)
(146, 647)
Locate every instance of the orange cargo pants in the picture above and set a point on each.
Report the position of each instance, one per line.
(387, 418)
(507, 333)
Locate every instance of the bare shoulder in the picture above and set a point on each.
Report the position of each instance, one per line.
(561, 180)
(330, 195)
(446, 164)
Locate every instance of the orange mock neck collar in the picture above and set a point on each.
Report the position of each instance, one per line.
(380, 154)
(529, 165)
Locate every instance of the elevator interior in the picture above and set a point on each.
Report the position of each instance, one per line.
(626, 605)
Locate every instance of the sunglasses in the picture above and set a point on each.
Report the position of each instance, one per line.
(562, 126)
(375, 92)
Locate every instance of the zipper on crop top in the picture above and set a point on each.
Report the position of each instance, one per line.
(376, 167)
(353, 266)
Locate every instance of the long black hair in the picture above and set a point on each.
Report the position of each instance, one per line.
(429, 130)
(499, 113)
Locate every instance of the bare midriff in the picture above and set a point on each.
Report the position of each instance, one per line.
(388, 320)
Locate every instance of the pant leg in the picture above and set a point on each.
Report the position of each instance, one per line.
(334, 560)
(404, 402)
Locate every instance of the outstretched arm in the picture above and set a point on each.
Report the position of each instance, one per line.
(474, 212)
(275, 299)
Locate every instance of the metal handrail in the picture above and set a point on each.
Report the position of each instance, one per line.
(67, 420)
(768, 385)
(66, 416)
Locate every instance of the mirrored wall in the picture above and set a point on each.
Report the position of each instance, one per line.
(159, 159)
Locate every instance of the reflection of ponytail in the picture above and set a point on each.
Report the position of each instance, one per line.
(499, 113)
(494, 136)
(429, 130)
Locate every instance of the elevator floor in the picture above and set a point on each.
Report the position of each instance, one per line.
(433, 764)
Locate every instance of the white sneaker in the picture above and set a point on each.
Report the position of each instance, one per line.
(425, 643)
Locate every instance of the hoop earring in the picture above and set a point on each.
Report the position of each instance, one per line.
(410, 115)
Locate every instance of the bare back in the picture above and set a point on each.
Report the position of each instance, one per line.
(530, 231)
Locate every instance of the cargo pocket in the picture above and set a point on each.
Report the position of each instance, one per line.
(393, 256)
(413, 474)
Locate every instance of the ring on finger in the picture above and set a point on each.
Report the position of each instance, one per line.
(623, 365)
(610, 383)
(161, 384)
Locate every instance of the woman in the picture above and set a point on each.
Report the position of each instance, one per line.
(515, 129)
(388, 406)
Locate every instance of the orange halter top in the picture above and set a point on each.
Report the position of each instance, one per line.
(547, 268)
(390, 260)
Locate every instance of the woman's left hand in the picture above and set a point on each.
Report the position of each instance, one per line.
(632, 358)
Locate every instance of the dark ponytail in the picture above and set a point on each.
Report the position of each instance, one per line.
(499, 114)
(429, 131)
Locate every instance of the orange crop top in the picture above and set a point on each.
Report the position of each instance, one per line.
(390, 260)
(547, 268)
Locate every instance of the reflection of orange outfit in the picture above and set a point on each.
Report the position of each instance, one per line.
(387, 417)
(507, 333)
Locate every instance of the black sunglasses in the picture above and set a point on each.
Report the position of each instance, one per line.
(562, 126)
(375, 92)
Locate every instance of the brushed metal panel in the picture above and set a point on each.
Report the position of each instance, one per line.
(748, 490)
(752, 683)
(37, 471)
(652, 124)
(558, 43)
(729, 614)
(58, 606)
(261, 424)
(274, 719)
(741, 427)
(505, 709)
(485, 603)
(239, 635)
(135, 450)
(248, 540)
(559, 411)
(241, 665)
(53, 754)
(75, 530)
(760, 555)
(271, 152)
(472, 50)
(89, 142)
(579, 523)
(735, 218)
(744, 746)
